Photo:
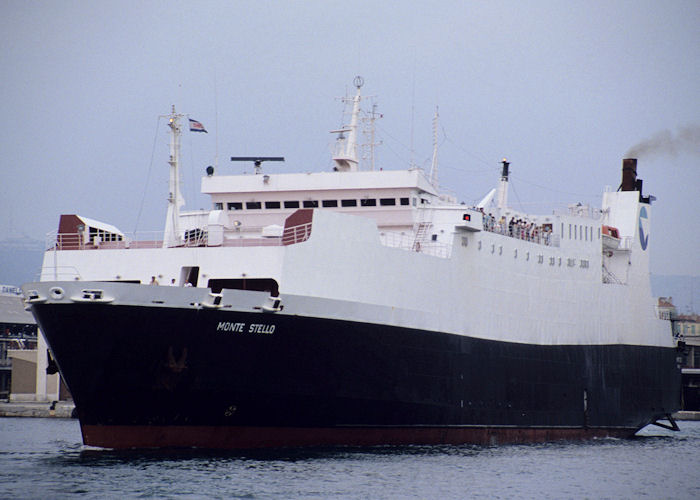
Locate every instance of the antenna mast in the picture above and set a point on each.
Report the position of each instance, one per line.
(345, 156)
(369, 133)
(434, 164)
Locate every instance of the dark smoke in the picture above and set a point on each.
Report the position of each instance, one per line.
(686, 140)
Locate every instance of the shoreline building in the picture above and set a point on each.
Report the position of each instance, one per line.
(686, 329)
(22, 378)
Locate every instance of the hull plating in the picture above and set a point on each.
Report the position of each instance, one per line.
(157, 376)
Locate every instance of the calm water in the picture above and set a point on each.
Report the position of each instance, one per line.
(44, 458)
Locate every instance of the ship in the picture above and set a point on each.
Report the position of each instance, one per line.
(358, 307)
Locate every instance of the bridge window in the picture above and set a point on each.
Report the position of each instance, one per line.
(234, 205)
(291, 204)
(253, 205)
(387, 201)
(404, 201)
(348, 203)
(368, 202)
(272, 204)
(310, 203)
(329, 203)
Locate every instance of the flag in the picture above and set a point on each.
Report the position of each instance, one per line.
(195, 126)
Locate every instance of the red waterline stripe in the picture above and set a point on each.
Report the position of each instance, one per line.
(210, 437)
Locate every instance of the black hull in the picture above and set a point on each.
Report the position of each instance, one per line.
(158, 376)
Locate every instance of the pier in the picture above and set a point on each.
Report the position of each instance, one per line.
(45, 409)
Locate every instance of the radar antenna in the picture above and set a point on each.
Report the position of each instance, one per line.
(257, 160)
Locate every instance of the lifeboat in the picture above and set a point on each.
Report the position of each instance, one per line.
(611, 237)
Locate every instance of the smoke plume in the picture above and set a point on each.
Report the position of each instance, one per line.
(686, 140)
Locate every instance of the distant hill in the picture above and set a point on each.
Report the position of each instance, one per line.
(20, 260)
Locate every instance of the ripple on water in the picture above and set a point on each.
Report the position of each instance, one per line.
(45, 458)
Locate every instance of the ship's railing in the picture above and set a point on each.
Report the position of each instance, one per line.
(585, 211)
(78, 241)
(253, 242)
(539, 237)
(407, 242)
(625, 243)
(250, 237)
(296, 234)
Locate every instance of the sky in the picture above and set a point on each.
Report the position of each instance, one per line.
(564, 90)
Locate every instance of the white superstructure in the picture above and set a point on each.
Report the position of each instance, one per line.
(385, 246)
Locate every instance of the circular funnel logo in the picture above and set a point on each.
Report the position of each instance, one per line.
(643, 228)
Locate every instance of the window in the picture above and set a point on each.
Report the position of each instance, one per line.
(272, 204)
(329, 203)
(348, 203)
(234, 205)
(189, 275)
(569, 231)
(310, 203)
(387, 201)
(404, 201)
(368, 202)
(218, 206)
(258, 284)
(253, 205)
(291, 204)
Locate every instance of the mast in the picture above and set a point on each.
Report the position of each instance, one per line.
(345, 156)
(434, 164)
(503, 185)
(172, 236)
